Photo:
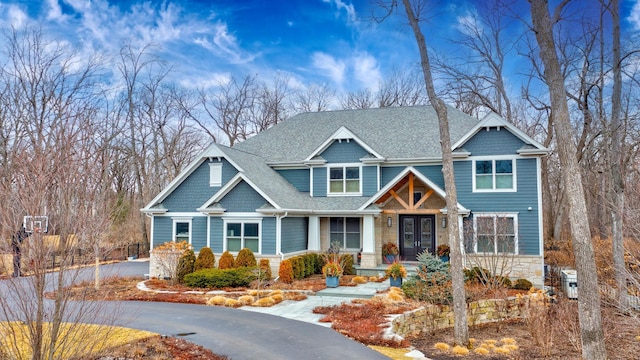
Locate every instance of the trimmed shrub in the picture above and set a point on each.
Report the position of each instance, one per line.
(477, 274)
(265, 269)
(185, 265)
(297, 264)
(285, 272)
(522, 284)
(245, 258)
(226, 261)
(318, 263)
(309, 264)
(217, 278)
(346, 260)
(206, 259)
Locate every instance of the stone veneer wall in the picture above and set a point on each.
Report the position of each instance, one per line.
(433, 317)
(530, 267)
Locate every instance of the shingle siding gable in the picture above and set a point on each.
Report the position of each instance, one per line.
(344, 152)
(493, 142)
(242, 198)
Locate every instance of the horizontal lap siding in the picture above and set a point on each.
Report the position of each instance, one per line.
(269, 236)
(162, 230)
(432, 172)
(242, 198)
(199, 232)
(369, 180)
(217, 234)
(520, 201)
(194, 191)
(294, 234)
(319, 181)
(344, 152)
(298, 178)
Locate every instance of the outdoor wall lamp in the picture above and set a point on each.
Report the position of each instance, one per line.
(444, 222)
(389, 223)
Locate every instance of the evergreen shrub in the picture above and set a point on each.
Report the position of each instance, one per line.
(265, 269)
(185, 265)
(217, 278)
(285, 272)
(206, 259)
(245, 258)
(226, 261)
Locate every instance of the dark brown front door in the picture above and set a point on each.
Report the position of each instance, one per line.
(417, 234)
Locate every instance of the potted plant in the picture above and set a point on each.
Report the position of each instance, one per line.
(389, 252)
(396, 272)
(443, 252)
(332, 271)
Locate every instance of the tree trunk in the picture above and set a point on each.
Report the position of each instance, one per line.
(461, 327)
(592, 338)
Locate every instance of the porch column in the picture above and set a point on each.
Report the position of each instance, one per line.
(368, 242)
(314, 234)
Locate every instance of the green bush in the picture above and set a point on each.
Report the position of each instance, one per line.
(245, 258)
(265, 269)
(320, 261)
(477, 274)
(346, 261)
(299, 267)
(206, 259)
(226, 261)
(522, 284)
(434, 293)
(185, 265)
(431, 270)
(309, 265)
(217, 278)
(502, 281)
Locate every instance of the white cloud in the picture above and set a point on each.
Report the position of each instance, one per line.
(366, 71)
(205, 82)
(225, 45)
(634, 17)
(348, 8)
(12, 16)
(335, 69)
(469, 24)
(55, 12)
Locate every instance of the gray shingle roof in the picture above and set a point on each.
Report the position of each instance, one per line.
(395, 133)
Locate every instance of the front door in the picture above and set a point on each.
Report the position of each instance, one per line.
(417, 234)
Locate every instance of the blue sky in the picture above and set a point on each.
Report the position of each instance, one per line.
(311, 41)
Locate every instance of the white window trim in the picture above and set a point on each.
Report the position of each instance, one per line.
(344, 239)
(215, 174)
(177, 220)
(494, 158)
(243, 221)
(494, 215)
(344, 166)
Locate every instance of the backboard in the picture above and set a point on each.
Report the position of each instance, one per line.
(36, 224)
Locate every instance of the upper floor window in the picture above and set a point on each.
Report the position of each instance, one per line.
(243, 234)
(344, 180)
(345, 231)
(494, 175)
(493, 234)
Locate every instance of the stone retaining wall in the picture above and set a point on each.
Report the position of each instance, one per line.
(433, 317)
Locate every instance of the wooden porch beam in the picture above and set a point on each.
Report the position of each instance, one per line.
(412, 211)
(395, 196)
(424, 198)
(411, 205)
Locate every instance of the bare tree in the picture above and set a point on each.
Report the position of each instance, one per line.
(414, 12)
(49, 170)
(313, 98)
(589, 302)
(270, 107)
(361, 99)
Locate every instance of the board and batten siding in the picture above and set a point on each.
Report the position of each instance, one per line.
(299, 178)
(195, 190)
(344, 152)
(294, 234)
(493, 142)
(242, 198)
(520, 201)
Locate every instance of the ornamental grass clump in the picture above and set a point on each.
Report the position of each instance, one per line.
(217, 300)
(396, 271)
(332, 269)
(246, 299)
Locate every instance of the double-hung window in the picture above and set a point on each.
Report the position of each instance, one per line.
(344, 180)
(495, 233)
(182, 229)
(494, 175)
(345, 231)
(243, 234)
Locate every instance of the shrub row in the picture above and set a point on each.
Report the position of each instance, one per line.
(206, 260)
(220, 278)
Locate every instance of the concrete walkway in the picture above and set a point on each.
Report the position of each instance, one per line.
(303, 310)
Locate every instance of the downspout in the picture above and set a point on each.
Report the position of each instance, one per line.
(279, 238)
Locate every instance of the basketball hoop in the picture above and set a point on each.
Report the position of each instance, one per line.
(37, 224)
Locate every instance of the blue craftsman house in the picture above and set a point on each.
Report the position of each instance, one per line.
(362, 178)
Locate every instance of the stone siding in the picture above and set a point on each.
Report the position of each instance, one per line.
(528, 267)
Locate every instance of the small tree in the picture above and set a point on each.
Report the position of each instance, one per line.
(245, 258)
(226, 261)
(206, 259)
(186, 265)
